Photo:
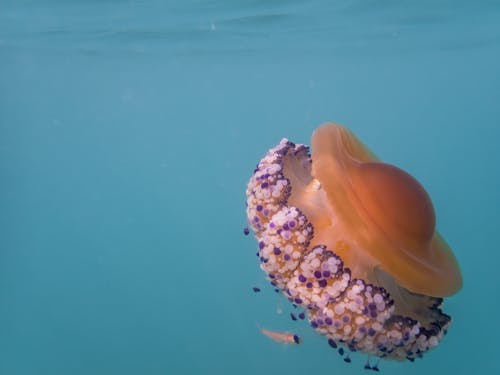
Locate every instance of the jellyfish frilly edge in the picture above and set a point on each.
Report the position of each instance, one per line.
(352, 240)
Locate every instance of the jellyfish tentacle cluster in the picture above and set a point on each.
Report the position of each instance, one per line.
(350, 307)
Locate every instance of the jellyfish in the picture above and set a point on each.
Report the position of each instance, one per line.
(352, 241)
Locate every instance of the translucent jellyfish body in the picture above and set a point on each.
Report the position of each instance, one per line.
(352, 240)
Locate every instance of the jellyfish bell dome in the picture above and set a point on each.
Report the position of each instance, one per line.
(387, 212)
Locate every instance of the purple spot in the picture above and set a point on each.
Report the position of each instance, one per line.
(261, 245)
(372, 306)
(291, 224)
(337, 324)
(362, 329)
(320, 322)
(286, 257)
(271, 276)
(317, 274)
(314, 324)
(255, 289)
(302, 316)
(256, 219)
(264, 185)
(279, 231)
(373, 314)
(346, 319)
(328, 321)
(271, 225)
(259, 208)
(371, 332)
(246, 231)
(292, 315)
(302, 278)
(266, 211)
(277, 251)
(322, 283)
(298, 301)
(309, 285)
(332, 343)
(285, 226)
(326, 273)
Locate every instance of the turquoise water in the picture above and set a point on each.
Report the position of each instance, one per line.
(128, 132)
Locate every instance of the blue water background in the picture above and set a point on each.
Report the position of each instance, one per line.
(128, 132)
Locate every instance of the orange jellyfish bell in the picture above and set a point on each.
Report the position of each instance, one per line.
(352, 240)
(385, 210)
